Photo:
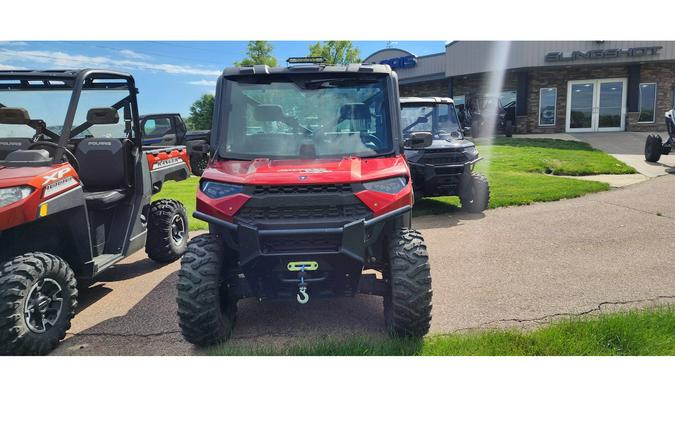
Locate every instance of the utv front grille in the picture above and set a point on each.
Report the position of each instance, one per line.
(301, 189)
(349, 212)
(440, 157)
(313, 243)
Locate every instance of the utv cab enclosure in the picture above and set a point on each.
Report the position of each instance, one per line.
(307, 188)
(445, 168)
(75, 196)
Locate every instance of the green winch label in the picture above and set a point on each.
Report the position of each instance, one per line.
(300, 265)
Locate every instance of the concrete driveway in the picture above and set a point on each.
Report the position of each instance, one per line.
(628, 147)
(518, 266)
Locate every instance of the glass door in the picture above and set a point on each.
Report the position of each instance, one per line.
(580, 102)
(596, 105)
(610, 105)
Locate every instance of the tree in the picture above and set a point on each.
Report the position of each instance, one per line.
(201, 113)
(258, 52)
(336, 52)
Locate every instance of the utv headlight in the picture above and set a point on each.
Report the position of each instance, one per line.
(217, 190)
(393, 185)
(471, 152)
(14, 194)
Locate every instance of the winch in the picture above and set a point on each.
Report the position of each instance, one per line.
(301, 268)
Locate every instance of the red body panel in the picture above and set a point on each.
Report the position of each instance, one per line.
(40, 178)
(306, 172)
(166, 157)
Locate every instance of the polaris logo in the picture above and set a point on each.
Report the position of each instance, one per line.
(60, 186)
(101, 143)
(310, 170)
(10, 144)
(166, 163)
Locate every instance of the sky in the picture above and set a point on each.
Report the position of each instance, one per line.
(170, 75)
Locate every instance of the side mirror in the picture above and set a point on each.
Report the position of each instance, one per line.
(419, 140)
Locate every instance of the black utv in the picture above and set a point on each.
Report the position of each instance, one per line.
(446, 167)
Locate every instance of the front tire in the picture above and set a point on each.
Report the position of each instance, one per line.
(198, 163)
(407, 304)
(653, 148)
(38, 296)
(475, 197)
(206, 312)
(508, 128)
(167, 231)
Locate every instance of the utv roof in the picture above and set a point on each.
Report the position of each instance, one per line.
(305, 69)
(60, 74)
(86, 78)
(432, 100)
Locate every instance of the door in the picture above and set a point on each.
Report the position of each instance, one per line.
(158, 131)
(597, 105)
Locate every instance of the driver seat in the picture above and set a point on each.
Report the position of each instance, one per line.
(8, 145)
(358, 115)
(103, 171)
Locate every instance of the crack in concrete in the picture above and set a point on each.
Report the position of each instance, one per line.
(545, 318)
(290, 333)
(103, 334)
(657, 214)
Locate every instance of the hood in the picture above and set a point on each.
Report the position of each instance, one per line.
(295, 172)
(14, 176)
(452, 143)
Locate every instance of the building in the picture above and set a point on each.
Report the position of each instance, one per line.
(557, 86)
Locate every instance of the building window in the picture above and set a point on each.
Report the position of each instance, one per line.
(647, 103)
(547, 106)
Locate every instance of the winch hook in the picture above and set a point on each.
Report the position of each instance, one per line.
(302, 295)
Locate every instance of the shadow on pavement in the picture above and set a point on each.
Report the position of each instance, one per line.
(435, 221)
(124, 271)
(87, 295)
(151, 325)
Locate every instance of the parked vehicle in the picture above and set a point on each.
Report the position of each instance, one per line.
(169, 129)
(654, 146)
(445, 168)
(307, 188)
(487, 109)
(72, 205)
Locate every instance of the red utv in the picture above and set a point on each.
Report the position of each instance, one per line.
(307, 188)
(75, 196)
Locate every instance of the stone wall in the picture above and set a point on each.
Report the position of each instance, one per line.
(664, 76)
(438, 88)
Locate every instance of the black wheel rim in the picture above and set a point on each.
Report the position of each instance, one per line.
(43, 305)
(177, 229)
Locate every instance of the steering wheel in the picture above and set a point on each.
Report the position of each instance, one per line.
(371, 141)
(70, 156)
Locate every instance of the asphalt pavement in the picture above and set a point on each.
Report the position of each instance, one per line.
(509, 267)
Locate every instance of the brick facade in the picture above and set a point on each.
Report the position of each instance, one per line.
(663, 74)
(437, 88)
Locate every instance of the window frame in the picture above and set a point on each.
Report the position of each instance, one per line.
(640, 104)
(555, 107)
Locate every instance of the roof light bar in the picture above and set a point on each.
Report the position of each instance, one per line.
(306, 60)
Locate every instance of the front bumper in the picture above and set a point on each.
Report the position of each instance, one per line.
(341, 253)
(440, 179)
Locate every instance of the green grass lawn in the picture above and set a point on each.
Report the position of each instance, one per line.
(519, 172)
(517, 169)
(636, 333)
(185, 192)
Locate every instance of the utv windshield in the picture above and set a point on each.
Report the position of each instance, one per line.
(51, 106)
(439, 119)
(300, 116)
